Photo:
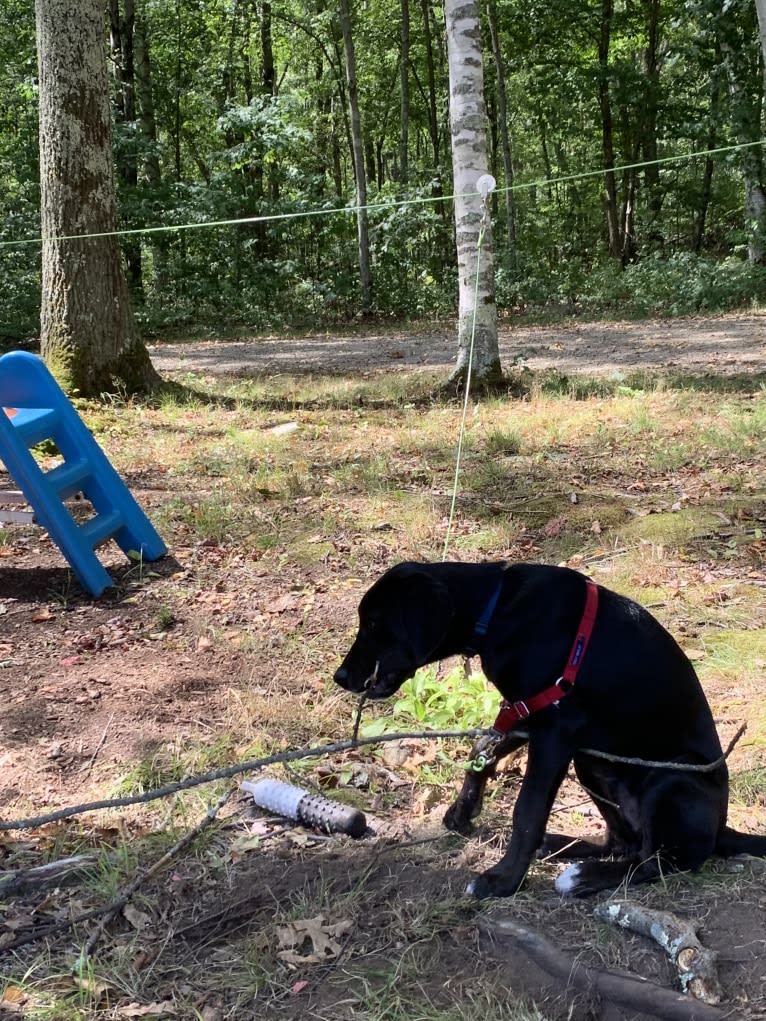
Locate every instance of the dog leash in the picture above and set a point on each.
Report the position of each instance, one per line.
(512, 713)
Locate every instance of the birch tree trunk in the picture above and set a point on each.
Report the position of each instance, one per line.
(469, 162)
(88, 336)
(760, 10)
(357, 146)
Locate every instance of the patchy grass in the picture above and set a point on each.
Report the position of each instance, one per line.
(281, 500)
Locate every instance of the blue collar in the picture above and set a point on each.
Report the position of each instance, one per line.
(481, 627)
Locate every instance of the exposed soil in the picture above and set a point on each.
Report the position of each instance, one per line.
(92, 686)
(728, 344)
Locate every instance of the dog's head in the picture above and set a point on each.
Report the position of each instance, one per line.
(403, 619)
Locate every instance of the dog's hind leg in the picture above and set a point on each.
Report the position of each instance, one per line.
(619, 810)
(468, 804)
(679, 826)
(564, 847)
(592, 875)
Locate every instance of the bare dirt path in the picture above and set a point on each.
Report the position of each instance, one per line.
(727, 344)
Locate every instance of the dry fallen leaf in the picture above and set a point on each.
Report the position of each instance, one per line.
(289, 601)
(138, 919)
(147, 1009)
(95, 987)
(323, 937)
(243, 844)
(553, 528)
(13, 994)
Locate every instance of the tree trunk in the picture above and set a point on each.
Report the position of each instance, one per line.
(404, 88)
(433, 118)
(607, 141)
(648, 115)
(122, 24)
(149, 167)
(707, 177)
(502, 117)
(444, 253)
(268, 81)
(469, 162)
(746, 118)
(760, 10)
(357, 145)
(88, 336)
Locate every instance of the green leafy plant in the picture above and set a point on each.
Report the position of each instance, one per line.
(441, 702)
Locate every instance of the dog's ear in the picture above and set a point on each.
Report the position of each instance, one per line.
(426, 610)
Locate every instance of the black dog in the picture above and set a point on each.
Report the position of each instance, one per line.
(636, 696)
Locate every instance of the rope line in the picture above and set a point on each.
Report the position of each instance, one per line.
(317, 751)
(229, 771)
(380, 206)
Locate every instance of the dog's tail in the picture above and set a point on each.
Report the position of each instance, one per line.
(732, 842)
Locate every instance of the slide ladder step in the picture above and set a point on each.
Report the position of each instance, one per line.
(101, 527)
(35, 424)
(67, 478)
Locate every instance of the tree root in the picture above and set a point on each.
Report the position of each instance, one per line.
(636, 994)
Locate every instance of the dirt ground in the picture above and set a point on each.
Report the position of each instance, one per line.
(723, 344)
(92, 686)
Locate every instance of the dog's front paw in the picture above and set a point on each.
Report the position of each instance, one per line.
(458, 818)
(488, 884)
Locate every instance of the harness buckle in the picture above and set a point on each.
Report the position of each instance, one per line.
(564, 687)
(522, 709)
(484, 752)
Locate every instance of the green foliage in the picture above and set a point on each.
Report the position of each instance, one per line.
(233, 141)
(441, 702)
(659, 284)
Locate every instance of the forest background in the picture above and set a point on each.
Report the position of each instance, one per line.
(234, 109)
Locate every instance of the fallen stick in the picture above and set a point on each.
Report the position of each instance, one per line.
(99, 746)
(17, 880)
(115, 906)
(636, 994)
(678, 937)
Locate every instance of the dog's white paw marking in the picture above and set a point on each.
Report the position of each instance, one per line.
(567, 881)
(471, 888)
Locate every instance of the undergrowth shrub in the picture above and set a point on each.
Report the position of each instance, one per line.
(436, 702)
(657, 284)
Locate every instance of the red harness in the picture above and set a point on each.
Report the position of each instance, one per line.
(511, 712)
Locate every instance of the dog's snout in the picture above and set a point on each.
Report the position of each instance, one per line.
(341, 676)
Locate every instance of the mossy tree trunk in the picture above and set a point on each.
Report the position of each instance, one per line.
(88, 335)
(469, 162)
